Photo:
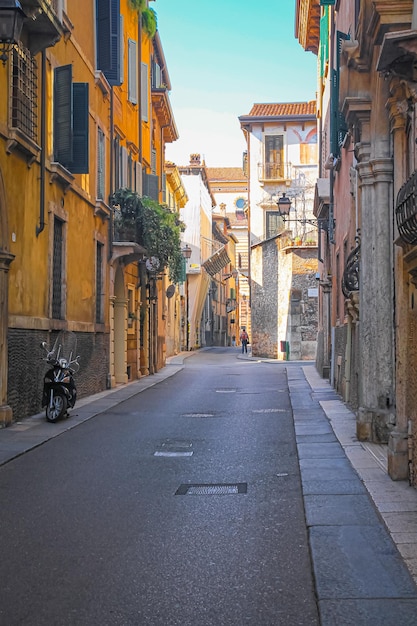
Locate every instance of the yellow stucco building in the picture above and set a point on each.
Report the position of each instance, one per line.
(84, 112)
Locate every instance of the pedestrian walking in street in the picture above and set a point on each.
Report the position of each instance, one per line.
(244, 338)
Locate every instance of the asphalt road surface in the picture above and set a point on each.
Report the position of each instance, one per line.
(181, 506)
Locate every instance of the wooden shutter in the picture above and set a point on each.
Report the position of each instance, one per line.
(100, 164)
(108, 39)
(122, 50)
(63, 116)
(138, 184)
(80, 129)
(132, 72)
(144, 98)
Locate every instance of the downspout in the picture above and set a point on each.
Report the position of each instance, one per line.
(41, 226)
(331, 215)
(111, 173)
(140, 139)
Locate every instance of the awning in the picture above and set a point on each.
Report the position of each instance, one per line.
(217, 262)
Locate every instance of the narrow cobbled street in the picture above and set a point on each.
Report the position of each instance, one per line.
(183, 505)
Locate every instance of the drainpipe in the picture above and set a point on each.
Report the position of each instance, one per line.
(41, 226)
(410, 453)
(140, 139)
(111, 173)
(348, 358)
(414, 18)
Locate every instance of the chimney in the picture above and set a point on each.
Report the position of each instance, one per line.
(195, 159)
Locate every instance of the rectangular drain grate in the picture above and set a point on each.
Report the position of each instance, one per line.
(211, 489)
(171, 453)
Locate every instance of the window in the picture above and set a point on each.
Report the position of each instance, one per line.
(24, 91)
(132, 72)
(273, 223)
(99, 283)
(108, 39)
(70, 121)
(116, 152)
(131, 306)
(156, 75)
(274, 161)
(100, 164)
(57, 269)
(144, 92)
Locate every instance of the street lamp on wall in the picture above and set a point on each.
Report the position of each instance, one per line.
(11, 23)
(284, 205)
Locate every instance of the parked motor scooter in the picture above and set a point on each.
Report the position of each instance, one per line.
(59, 390)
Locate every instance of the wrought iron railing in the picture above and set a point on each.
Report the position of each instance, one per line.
(406, 210)
(350, 279)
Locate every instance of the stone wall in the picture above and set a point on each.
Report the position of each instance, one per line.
(284, 301)
(27, 368)
(264, 302)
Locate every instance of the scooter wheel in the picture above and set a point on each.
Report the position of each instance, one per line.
(58, 408)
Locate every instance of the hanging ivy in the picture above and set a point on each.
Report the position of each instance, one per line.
(152, 225)
(148, 16)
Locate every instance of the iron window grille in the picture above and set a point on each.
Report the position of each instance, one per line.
(24, 90)
(57, 268)
(99, 283)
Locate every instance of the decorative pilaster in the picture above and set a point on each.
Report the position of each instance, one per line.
(6, 413)
(375, 176)
(400, 106)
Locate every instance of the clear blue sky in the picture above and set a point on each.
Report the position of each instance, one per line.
(222, 57)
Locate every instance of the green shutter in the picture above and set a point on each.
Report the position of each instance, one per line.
(63, 115)
(108, 39)
(324, 41)
(232, 293)
(80, 126)
(183, 276)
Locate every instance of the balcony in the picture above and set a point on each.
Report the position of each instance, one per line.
(406, 210)
(43, 26)
(272, 173)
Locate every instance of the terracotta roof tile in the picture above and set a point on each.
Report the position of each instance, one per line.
(225, 173)
(279, 109)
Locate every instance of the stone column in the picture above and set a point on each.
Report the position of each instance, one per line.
(376, 394)
(398, 107)
(5, 411)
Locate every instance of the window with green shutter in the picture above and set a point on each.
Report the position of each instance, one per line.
(108, 39)
(70, 121)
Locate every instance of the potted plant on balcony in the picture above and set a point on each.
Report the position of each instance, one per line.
(153, 226)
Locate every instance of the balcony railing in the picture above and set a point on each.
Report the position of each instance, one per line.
(406, 210)
(274, 173)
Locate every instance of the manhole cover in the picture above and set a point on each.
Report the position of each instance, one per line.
(172, 453)
(207, 489)
(198, 415)
(269, 410)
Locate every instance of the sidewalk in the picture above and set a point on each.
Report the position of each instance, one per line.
(396, 501)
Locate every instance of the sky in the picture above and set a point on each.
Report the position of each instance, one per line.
(222, 57)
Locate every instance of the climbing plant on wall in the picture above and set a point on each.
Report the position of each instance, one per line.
(152, 225)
